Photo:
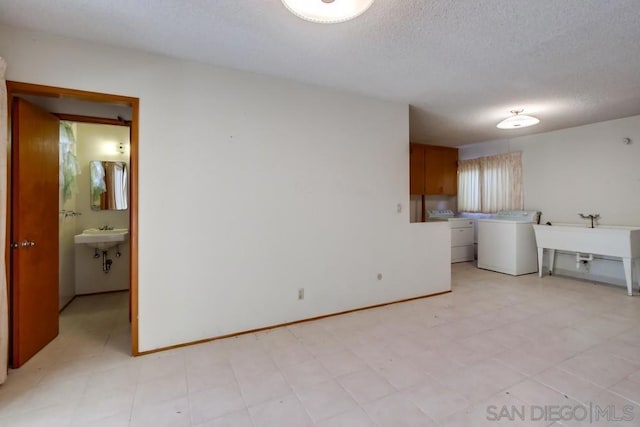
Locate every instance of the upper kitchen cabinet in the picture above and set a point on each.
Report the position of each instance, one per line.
(416, 169)
(441, 170)
(433, 170)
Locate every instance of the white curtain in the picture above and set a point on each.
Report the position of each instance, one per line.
(120, 185)
(4, 304)
(490, 184)
(469, 185)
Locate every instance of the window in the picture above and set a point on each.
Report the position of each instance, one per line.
(490, 184)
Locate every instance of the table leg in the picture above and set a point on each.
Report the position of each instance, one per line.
(552, 260)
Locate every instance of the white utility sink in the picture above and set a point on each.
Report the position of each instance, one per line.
(101, 239)
(615, 241)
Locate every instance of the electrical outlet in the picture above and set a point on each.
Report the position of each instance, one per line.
(301, 293)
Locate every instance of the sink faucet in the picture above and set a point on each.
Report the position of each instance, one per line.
(106, 227)
(592, 217)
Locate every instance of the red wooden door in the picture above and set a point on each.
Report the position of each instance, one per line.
(34, 230)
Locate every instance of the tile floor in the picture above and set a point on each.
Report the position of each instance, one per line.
(451, 360)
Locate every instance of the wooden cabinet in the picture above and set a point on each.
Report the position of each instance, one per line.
(433, 170)
(441, 170)
(416, 169)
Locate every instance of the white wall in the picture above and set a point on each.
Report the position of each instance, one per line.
(99, 142)
(252, 187)
(584, 169)
(66, 258)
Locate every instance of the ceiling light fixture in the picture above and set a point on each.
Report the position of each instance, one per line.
(518, 121)
(327, 11)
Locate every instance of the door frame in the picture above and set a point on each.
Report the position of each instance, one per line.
(15, 88)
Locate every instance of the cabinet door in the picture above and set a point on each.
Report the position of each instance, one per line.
(449, 174)
(462, 236)
(433, 170)
(416, 169)
(441, 165)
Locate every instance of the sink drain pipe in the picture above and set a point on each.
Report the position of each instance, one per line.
(582, 259)
(106, 262)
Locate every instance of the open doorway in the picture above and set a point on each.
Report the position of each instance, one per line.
(94, 177)
(74, 108)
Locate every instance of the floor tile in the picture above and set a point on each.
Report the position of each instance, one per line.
(291, 354)
(599, 367)
(400, 372)
(354, 418)
(326, 400)
(124, 377)
(16, 398)
(235, 419)
(535, 393)
(213, 403)
(122, 419)
(603, 327)
(305, 374)
(522, 362)
(161, 389)
(104, 403)
(202, 377)
(435, 363)
(621, 349)
(159, 365)
(397, 410)
(272, 413)
(481, 380)
(436, 400)
(495, 341)
(58, 391)
(365, 386)
(56, 415)
(341, 363)
(172, 413)
(250, 365)
(327, 344)
(569, 384)
(404, 345)
(206, 354)
(264, 387)
(629, 389)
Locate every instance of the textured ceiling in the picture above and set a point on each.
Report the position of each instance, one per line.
(460, 64)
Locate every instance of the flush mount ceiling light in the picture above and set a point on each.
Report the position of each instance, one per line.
(518, 121)
(327, 11)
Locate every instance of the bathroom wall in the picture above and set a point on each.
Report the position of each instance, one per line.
(67, 230)
(99, 142)
(585, 169)
(251, 187)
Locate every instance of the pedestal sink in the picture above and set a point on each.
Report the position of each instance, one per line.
(101, 239)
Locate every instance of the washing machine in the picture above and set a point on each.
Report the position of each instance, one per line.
(507, 243)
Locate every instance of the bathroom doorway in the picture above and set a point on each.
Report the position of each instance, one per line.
(94, 196)
(25, 298)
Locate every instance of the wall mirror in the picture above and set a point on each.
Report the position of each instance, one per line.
(108, 186)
